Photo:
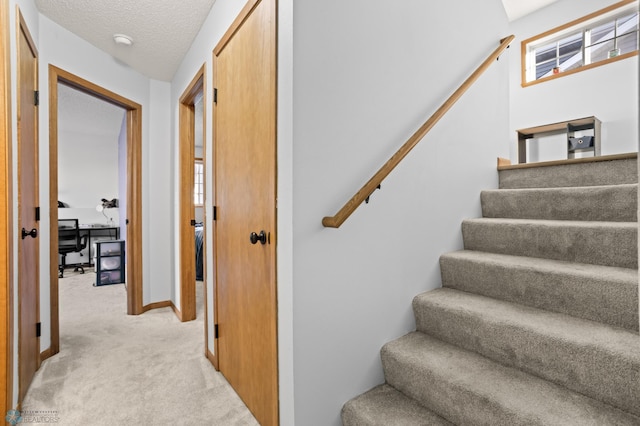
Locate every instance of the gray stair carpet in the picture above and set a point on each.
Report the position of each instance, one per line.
(537, 319)
(614, 172)
(612, 203)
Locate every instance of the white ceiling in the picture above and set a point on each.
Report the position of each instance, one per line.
(82, 113)
(162, 30)
(518, 8)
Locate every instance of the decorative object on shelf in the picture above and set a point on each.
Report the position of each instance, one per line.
(614, 52)
(107, 204)
(580, 143)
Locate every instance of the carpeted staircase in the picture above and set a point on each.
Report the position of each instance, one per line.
(537, 319)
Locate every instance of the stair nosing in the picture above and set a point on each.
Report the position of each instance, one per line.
(546, 265)
(553, 222)
(560, 188)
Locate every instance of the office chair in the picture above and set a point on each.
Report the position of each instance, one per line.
(70, 241)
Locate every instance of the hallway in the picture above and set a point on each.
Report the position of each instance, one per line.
(118, 369)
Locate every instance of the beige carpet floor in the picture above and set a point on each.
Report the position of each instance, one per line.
(115, 369)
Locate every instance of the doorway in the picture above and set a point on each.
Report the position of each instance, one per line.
(192, 197)
(91, 178)
(245, 236)
(133, 199)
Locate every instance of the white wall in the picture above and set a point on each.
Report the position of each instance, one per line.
(87, 172)
(122, 179)
(87, 169)
(609, 92)
(285, 247)
(365, 76)
(157, 203)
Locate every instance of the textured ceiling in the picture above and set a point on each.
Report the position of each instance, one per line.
(162, 30)
(82, 113)
(518, 8)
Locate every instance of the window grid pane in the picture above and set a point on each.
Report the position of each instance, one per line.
(198, 183)
(590, 44)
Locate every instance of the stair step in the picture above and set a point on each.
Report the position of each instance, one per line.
(616, 203)
(578, 173)
(599, 293)
(385, 406)
(466, 388)
(590, 358)
(598, 243)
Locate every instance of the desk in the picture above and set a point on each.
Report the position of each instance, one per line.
(113, 232)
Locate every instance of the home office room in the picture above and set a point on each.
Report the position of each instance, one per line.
(91, 189)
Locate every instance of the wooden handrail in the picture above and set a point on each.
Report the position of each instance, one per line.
(351, 205)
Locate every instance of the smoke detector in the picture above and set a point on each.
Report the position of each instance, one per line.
(123, 39)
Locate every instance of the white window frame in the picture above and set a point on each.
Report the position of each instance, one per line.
(198, 184)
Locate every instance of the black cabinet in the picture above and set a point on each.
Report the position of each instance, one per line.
(109, 262)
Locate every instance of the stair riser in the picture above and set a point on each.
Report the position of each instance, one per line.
(455, 402)
(601, 298)
(609, 203)
(587, 369)
(598, 245)
(384, 406)
(584, 174)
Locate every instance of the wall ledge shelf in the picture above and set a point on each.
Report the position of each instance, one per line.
(568, 127)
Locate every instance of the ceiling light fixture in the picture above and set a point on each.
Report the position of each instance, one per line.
(123, 39)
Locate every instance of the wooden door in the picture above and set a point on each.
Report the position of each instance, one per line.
(28, 261)
(245, 193)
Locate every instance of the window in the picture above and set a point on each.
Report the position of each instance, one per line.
(198, 183)
(605, 36)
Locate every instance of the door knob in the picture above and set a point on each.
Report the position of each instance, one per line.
(262, 237)
(33, 233)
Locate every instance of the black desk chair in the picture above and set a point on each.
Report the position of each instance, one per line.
(70, 241)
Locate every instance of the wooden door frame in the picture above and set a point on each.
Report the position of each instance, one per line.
(6, 214)
(186, 142)
(22, 30)
(134, 192)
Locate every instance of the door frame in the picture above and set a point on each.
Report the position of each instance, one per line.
(134, 192)
(6, 214)
(186, 143)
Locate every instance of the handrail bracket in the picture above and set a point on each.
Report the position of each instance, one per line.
(366, 200)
